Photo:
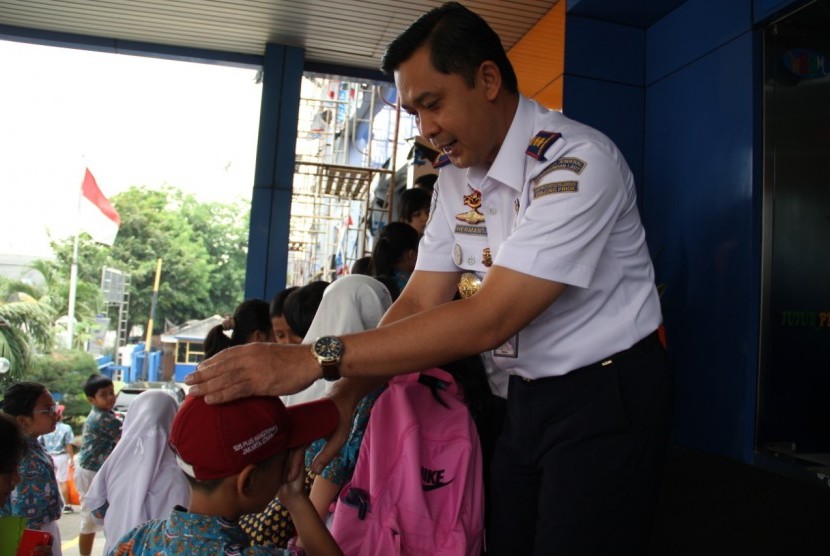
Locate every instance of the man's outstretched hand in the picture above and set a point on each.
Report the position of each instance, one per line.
(257, 369)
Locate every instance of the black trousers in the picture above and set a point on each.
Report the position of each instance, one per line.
(578, 466)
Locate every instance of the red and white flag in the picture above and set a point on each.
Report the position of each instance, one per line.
(98, 217)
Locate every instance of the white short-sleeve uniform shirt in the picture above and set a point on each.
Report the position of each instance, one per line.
(570, 218)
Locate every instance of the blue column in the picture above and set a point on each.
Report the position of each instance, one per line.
(273, 178)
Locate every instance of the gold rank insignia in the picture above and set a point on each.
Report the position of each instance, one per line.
(472, 216)
(469, 284)
(486, 257)
(540, 143)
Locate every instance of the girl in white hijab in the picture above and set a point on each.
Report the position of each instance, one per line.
(350, 304)
(140, 480)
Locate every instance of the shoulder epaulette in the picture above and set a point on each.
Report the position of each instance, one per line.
(442, 160)
(540, 143)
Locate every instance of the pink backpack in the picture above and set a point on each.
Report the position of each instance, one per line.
(417, 486)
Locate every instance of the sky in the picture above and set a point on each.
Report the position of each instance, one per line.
(131, 120)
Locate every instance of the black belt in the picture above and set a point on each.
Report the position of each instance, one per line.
(642, 346)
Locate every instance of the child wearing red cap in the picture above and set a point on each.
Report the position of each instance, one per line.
(237, 456)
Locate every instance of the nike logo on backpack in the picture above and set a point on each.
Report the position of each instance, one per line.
(432, 479)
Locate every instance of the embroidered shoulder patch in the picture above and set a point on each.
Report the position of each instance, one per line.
(569, 163)
(555, 187)
(575, 165)
(540, 143)
(442, 160)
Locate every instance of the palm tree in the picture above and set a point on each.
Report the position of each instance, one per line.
(25, 322)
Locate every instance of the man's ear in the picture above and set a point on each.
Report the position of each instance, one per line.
(489, 76)
(245, 482)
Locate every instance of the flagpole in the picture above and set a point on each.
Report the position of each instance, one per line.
(73, 274)
(73, 284)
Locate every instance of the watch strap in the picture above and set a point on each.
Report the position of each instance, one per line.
(331, 371)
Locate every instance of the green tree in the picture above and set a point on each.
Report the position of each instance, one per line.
(223, 228)
(64, 374)
(202, 245)
(26, 317)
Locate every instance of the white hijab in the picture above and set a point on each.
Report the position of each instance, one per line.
(353, 303)
(140, 479)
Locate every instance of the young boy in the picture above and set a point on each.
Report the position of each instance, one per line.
(102, 430)
(237, 457)
(58, 445)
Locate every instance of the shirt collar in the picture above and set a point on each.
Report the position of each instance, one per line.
(181, 522)
(509, 166)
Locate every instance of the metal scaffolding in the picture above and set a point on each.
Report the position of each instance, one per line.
(348, 137)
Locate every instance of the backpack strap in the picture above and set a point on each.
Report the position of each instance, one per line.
(435, 376)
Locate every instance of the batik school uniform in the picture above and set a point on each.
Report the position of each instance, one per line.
(192, 534)
(55, 444)
(37, 497)
(102, 430)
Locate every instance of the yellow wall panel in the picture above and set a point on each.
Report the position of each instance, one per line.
(551, 96)
(539, 58)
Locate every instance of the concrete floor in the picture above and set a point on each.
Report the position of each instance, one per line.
(708, 505)
(69, 525)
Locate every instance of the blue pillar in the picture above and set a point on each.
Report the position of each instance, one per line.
(273, 178)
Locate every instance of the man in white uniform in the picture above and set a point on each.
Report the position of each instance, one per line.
(544, 210)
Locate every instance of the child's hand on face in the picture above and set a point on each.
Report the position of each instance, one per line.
(293, 480)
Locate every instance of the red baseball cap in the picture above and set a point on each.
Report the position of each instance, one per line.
(218, 441)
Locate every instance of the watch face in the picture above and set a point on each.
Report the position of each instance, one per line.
(328, 348)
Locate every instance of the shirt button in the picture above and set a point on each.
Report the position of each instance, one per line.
(491, 210)
(471, 260)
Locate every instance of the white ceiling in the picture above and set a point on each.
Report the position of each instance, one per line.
(343, 32)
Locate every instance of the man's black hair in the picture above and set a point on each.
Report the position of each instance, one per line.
(94, 383)
(459, 41)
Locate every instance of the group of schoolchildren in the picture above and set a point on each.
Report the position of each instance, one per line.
(200, 466)
(34, 482)
(236, 478)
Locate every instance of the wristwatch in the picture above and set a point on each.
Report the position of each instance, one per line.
(328, 350)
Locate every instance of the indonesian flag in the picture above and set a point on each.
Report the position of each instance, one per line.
(98, 217)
